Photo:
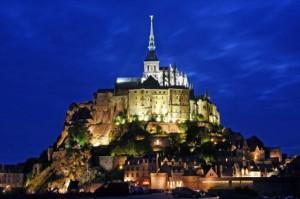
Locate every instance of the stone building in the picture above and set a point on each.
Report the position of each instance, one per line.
(204, 107)
(166, 76)
(138, 170)
(162, 94)
(11, 177)
(165, 104)
(258, 154)
(275, 154)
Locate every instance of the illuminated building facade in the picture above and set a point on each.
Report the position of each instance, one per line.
(163, 93)
(166, 76)
(168, 105)
(11, 177)
(138, 170)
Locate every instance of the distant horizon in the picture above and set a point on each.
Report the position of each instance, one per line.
(56, 53)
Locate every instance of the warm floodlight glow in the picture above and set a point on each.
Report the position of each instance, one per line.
(157, 142)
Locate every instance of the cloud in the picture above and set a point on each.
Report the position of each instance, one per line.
(245, 53)
(269, 92)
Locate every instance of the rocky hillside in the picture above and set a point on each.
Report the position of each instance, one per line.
(99, 116)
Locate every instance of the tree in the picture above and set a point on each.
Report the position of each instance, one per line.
(78, 135)
(81, 116)
(174, 141)
(206, 152)
(196, 136)
(159, 130)
(120, 119)
(134, 142)
(198, 117)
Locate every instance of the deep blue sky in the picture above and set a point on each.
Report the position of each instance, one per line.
(53, 53)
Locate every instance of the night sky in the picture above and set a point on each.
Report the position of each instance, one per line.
(53, 53)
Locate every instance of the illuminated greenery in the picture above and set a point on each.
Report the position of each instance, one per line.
(134, 142)
(198, 117)
(207, 152)
(196, 136)
(120, 119)
(200, 141)
(175, 141)
(78, 135)
(159, 130)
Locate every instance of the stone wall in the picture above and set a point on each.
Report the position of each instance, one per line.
(207, 109)
(205, 184)
(166, 127)
(168, 105)
(159, 180)
(263, 186)
(13, 180)
(105, 108)
(109, 162)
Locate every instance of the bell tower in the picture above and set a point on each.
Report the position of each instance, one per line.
(151, 62)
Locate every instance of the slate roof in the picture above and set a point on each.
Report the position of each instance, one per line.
(151, 82)
(253, 142)
(151, 56)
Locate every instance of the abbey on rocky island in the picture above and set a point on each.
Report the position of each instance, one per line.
(163, 94)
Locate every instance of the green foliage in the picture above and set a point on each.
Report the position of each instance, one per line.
(198, 142)
(217, 128)
(223, 146)
(202, 142)
(131, 148)
(206, 152)
(128, 144)
(115, 174)
(184, 127)
(78, 135)
(184, 149)
(159, 130)
(120, 119)
(196, 136)
(175, 142)
(198, 117)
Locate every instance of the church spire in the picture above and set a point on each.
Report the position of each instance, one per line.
(151, 46)
(151, 55)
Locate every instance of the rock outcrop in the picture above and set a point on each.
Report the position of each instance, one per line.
(65, 167)
(102, 110)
